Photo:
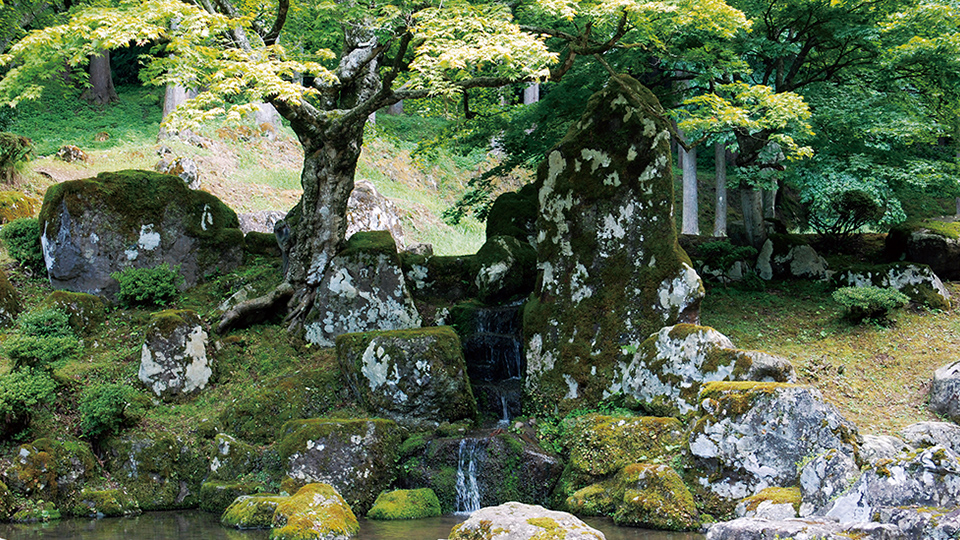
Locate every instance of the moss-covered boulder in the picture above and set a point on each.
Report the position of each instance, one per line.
(356, 456)
(364, 289)
(10, 305)
(103, 503)
(33, 511)
(437, 282)
(7, 503)
(932, 242)
(654, 496)
(16, 205)
(610, 269)
(418, 373)
(252, 511)
(405, 504)
(258, 243)
(771, 503)
(917, 281)
(316, 511)
(505, 268)
(134, 219)
(86, 312)
(787, 256)
(368, 210)
(751, 436)
(515, 214)
(233, 458)
(174, 361)
(51, 470)
(666, 372)
(161, 472)
(215, 497)
(518, 521)
(506, 468)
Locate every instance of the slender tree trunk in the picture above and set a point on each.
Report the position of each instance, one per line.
(101, 90)
(770, 203)
(752, 204)
(172, 98)
(720, 215)
(531, 93)
(690, 222)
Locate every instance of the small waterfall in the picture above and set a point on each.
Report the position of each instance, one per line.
(468, 492)
(505, 419)
(493, 347)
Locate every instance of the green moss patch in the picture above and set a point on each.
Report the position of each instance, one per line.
(776, 495)
(405, 504)
(251, 512)
(16, 205)
(317, 511)
(86, 312)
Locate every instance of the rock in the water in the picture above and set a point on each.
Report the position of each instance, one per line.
(800, 529)
(506, 268)
(86, 312)
(134, 219)
(929, 478)
(611, 270)
(877, 447)
(316, 511)
(823, 479)
(161, 473)
(216, 497)
(251, 511)
(405, 504)
(10, 305)
(784, 256)
(368, 210)
(364, 290)
(666, 372)
(233, 459)
(926, 434)
(751, 436)
(771, 503)
(103, 503)
(917, 281)
(654, 496)
(184, 168)
(356, 457)
(51, 470)
(174, 361)
(945, 391)
(418, 373)
(517, 521)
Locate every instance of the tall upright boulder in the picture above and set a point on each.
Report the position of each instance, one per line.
(610, 270)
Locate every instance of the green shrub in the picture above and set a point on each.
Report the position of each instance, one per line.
(49, 322)
(21, 391)
(22, 238)
(721, 255)
(873, 303)
(148, 286)
(14, 150)
(44, 337)
(108, 408)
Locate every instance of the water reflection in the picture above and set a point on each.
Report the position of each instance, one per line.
(195, 525)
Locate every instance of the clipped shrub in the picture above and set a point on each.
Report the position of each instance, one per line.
(22, 238)
(721, 255)
(44, 337)
(873, 303)
(148, 286)
(108, 408)
(21, 391)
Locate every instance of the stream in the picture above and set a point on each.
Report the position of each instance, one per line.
(196, 525)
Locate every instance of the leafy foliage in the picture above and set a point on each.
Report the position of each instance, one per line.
(108, 408)
(721, 255)
(874, 303)
(44, 338)
(22, 390)
(148, 286)
(22, 238)
(14, 150)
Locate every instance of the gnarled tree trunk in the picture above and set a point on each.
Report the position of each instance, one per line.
(720, 216)
(101, 90)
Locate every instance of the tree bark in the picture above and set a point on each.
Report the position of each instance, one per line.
(720, 211)
(531, 93)
(101, 90)
(752, 204)
(690, 223)
(770, 203)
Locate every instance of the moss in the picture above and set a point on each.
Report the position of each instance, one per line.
(316, 511)
(163, 323)
(35, 511)
(86, 312)
(481, 532)
(10, 305)
(7, 503)
(655, 497)
(593, 500)
(946, 229)
(514, 213)
(257, 243)
(16, 205)
(296, 433)
(732, 398)
(370, 243)
(160, 473)
(405, 504)
(251, 512)
(50, 469)
(601, 445)
(776, 495)
(216, 497)
(517, 257)
(104, 503)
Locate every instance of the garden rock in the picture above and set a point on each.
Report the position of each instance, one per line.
(917, 281)
(928, 478)
(405, 504)
(945, 391)
(10, 305)
(233, 459)
(926, 434)
(261, 222)
(771, 503)
(356, 457)
(92, 228)
(160, 473)
(506, 268)
(418, 373)
(518, 521)
(824, 479)
(750, 436)
(666, 372)
(364, 290)
(515, 214)
(933, 243)
(86, 312)
(368, 210)
(923, 523)
(611, 270)
(93, 503)
(184, 168)
(878, 447)
(216, 497)
(174, 361)
(252, 511)
(800, 529)
(70, 153)
(51, 470)
(16, 205)
(316, 511)
(785, 256)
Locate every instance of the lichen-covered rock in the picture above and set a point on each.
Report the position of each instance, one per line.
(926, 434)
(506, 268)
(215, 497)
(610, 269)
(654, 496)
(784, 256)
(770, 503)
(823, 479)
(160, 473)
(233, 458)
(917, 281)
(929, 477)
(7, 503)
(174, 361)
(800, 529)
(251, 511)
(515, 214)
(134, 219)
(518, 521)
(86, 312)
(51, 470)
(260, 222)
(16, 205)
(405, 504)
(357, 457)
(103, 503)
(440, 278)
(316, 511)
(923, 523)
(666, 372)
(184, 168)
(368, 210)
(751, 436)
(70, 153)
(506, 467)
(945, 391)
(417, 373)
(931, 242)
(364, 290)
(10, 305)
(877, 447)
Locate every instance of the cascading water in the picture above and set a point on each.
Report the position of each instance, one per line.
(493, 350)
(505, 419)
(468, 492)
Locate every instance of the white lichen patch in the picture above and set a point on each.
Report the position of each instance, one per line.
(579, 290)
(539, 361)
(149, 239)
(632, 152)
(612, 179)
(677, 294)
(572, 387)
(206, 217)
(418, 276)
(596, 158)
(649, 127)
(375, 364)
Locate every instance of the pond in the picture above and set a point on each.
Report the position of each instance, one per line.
(196, 525)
